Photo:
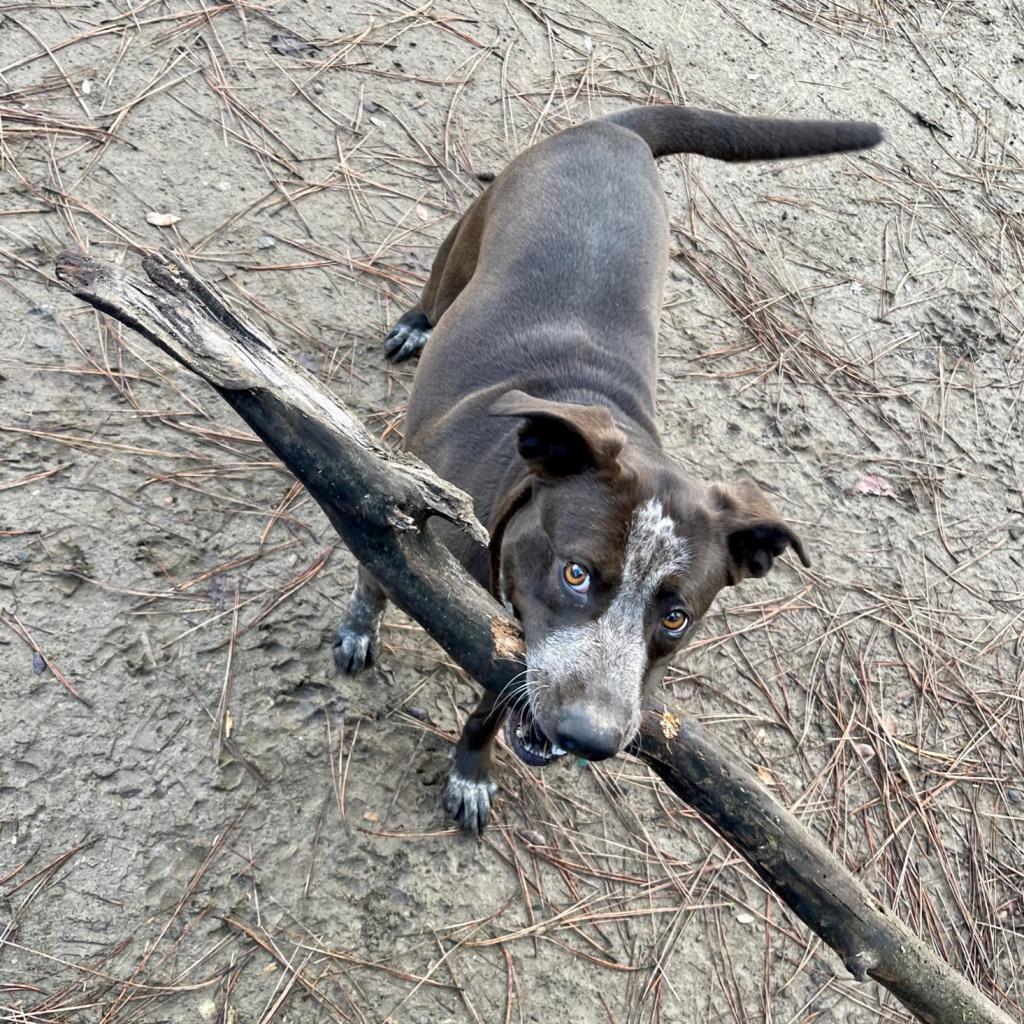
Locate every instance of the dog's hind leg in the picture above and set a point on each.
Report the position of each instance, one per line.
(467, 796)
(408, 336)
(357, 643)
(452, 269)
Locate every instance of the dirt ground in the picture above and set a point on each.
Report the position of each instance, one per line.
(848, 332)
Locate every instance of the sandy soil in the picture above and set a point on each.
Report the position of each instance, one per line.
(848, 332)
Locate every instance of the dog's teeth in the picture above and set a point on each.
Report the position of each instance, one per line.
(557, 751)
(519, 732)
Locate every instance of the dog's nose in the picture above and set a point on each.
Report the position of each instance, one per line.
(587, 735)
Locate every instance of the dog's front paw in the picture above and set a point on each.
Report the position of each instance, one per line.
(407, 337)
(356, 647)
(468, 801)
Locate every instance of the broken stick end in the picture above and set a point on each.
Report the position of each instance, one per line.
(77, 270)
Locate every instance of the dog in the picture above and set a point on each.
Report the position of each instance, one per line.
(535, 393)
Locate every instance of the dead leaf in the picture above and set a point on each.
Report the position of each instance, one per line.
(290, 46)
(161, 220)
(877, 486)
(765, 776)
(371, 815)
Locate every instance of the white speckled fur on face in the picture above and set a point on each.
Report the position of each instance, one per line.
(610, 653)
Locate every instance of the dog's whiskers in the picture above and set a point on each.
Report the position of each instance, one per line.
(514, 690)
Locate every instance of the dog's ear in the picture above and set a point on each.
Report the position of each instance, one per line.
(559, 439)
(754, 532)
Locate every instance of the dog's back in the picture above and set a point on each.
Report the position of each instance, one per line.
(552, 282)
(565, 290)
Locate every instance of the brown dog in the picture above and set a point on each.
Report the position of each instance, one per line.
(536, 396)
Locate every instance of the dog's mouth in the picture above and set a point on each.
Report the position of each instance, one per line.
(527, 740)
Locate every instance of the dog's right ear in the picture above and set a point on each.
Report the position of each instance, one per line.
(559, 439)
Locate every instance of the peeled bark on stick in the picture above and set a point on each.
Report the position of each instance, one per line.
(381, 501)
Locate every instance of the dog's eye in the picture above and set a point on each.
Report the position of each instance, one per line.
(576, 577)
(675, 622)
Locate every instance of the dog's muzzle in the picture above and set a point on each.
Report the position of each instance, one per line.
(580, 730)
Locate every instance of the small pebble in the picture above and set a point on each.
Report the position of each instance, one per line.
(1016, 795)
(744, 918)
(415, 711)
(39, 664)
(533, 838)
(266, 242)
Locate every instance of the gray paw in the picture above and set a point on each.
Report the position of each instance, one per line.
(407, 337)
(468, 801)
(356, 648)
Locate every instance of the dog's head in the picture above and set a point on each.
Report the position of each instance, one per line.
(609, 556)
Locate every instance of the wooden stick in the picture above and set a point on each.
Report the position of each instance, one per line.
(381, 502)
(805, 875)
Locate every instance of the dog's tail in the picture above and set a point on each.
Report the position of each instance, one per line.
(668, 130)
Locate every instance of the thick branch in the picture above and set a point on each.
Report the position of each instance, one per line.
(805, 875)
(380, 501)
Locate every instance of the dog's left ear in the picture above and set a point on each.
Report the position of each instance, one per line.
(560, 439)
(755, 533)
